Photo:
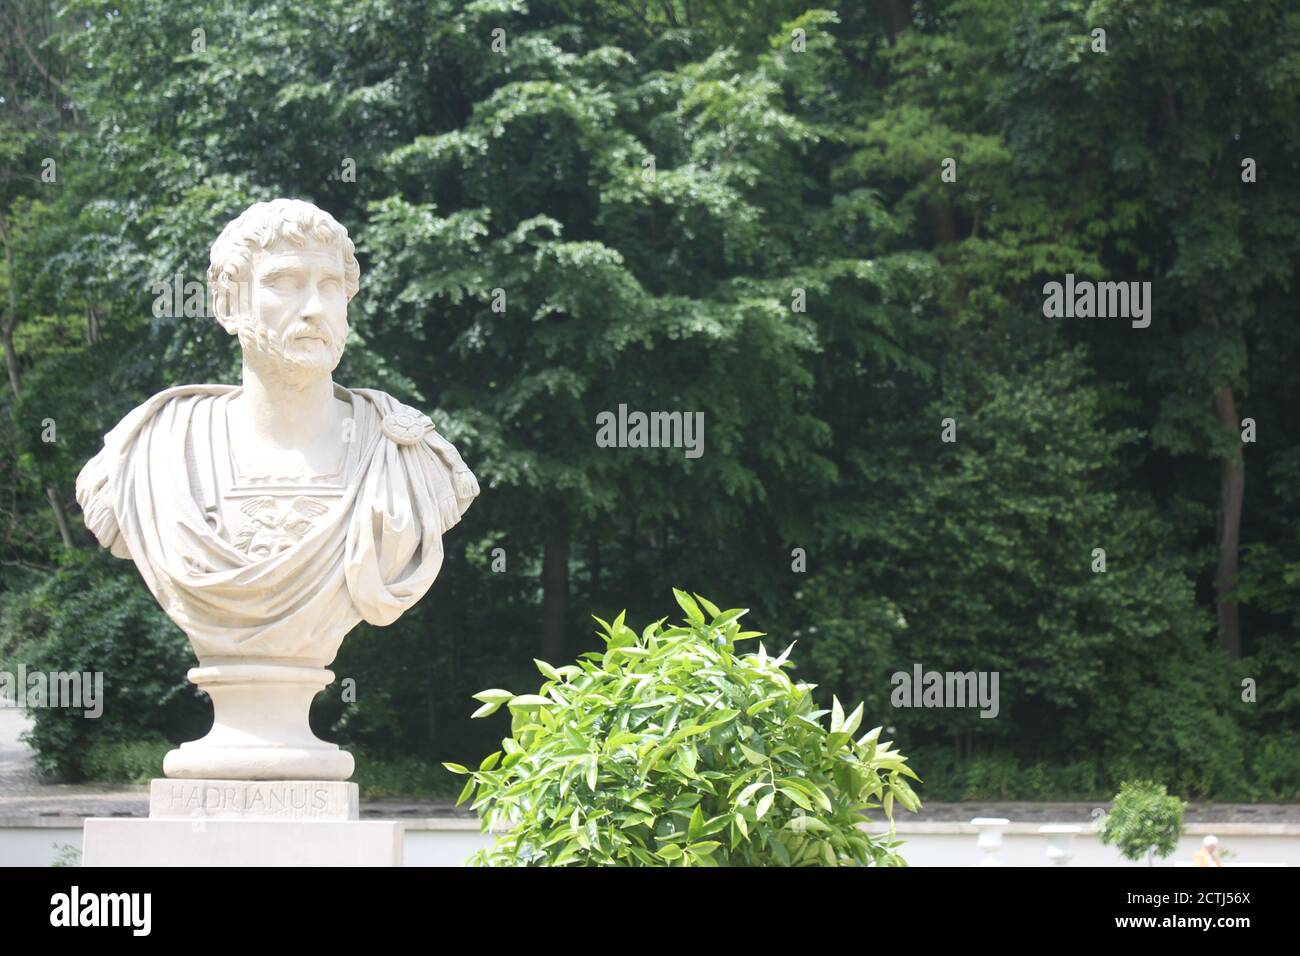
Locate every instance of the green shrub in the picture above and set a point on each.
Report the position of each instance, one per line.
(66, 854)
(1144, 821)
(403, 777)
(1076, 780)
(669, 748)
(94, 614)
(125, 761)
(1276, 765)
(994, 777)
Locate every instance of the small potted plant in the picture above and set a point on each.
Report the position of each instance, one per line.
(1144, 821)
(672, 748)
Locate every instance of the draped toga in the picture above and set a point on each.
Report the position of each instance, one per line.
(310, 559)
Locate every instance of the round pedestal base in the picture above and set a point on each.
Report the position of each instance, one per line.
(260, 729)
(196, 762)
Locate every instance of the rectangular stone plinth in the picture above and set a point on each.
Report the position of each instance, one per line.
(253, 800)
(123, 841)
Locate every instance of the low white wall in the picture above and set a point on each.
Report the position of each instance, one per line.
(442, 842)
(28, 845)
(1023, 845)
(443, 846)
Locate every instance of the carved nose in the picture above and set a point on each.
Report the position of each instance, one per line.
(313, 311)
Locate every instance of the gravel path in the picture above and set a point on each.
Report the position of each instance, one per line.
(23, 795)
(15, 756)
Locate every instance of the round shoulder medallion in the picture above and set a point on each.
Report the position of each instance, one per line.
(406, 426)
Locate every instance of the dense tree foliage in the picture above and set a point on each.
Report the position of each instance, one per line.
(829, 230)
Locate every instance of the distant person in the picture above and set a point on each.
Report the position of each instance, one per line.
(1208, 854)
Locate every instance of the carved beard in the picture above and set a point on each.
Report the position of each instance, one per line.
(304, 363)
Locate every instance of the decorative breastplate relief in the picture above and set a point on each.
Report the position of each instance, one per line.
(262, 514)
(272, 525)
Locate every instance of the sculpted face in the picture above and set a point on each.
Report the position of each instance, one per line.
(298, 317)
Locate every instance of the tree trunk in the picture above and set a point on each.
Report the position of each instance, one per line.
(60, 516)
(11, 313)
(431, 718)
(1232, 488)
(945, 225)
(11, 360)
(897, 16)
(555, 592)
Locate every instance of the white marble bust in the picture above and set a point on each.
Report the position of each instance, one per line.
(269, 519)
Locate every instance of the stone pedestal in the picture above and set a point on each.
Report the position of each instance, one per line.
(245, 823)
(260, 729)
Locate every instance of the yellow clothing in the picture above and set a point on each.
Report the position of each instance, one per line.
(1204, 857)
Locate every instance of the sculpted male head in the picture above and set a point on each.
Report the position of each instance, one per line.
(282, 275)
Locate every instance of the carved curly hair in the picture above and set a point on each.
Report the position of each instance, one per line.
(260, 227)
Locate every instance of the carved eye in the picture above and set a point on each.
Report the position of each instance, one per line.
(331, 286)
(282, 282)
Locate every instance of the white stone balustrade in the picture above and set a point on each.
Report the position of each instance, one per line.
(1060, 841)
(990, 838)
